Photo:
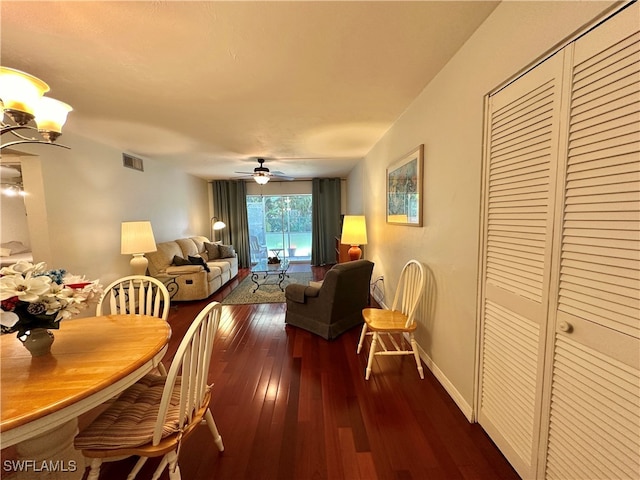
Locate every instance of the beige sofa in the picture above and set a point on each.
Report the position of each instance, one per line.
(190, 282)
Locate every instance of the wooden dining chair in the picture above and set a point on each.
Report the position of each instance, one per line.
(394, 324)
(135, 294)
(153, 417)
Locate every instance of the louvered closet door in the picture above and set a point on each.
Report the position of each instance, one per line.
(594, 422)
(519, 205)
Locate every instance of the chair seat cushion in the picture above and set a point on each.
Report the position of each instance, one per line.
(131, 418)
(386, 320)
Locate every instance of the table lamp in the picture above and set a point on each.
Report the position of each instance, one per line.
(137, 239)
(354, 233)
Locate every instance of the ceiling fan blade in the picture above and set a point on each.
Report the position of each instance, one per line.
(282, 176)
(245, 173)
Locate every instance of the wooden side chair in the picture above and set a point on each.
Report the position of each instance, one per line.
(135, 294)
(394, 324)
(155, 415)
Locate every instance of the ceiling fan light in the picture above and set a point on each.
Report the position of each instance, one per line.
(51, 114)
(261, 179)
(20, 92)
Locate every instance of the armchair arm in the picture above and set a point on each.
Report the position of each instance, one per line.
(298, 293)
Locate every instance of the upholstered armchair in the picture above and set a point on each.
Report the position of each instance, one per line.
(334, 307)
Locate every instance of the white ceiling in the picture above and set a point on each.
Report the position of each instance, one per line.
(210, 86)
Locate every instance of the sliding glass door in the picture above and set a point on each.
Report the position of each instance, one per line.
(279, 225)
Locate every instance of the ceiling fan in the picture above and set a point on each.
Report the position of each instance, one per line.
(262, 174)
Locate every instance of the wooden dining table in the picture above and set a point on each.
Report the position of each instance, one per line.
(92, 359)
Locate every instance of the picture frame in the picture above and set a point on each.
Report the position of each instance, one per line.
(404, 189)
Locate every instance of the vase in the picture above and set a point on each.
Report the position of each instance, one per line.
(38, 342)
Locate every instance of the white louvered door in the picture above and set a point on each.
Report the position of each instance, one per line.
(521, 174)
(594, 405)
(559, 388)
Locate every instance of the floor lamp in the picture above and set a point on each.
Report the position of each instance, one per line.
(137, 239)
(354, 233)
(215, 226)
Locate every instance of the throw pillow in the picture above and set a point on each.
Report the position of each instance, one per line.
(227, 251)
(15, 247)
(213, 252)
(199, 261)
(179, 261)
(5, 252)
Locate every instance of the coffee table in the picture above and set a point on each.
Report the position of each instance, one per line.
(264, 273)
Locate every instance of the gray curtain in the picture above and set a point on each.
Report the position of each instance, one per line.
(325, 227)
(230, 206)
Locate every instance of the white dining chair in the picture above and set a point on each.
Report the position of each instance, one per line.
(135, 294)
(154, 417)
(392, 325)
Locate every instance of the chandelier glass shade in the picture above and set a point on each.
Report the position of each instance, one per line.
(23, 102)
(261, 178)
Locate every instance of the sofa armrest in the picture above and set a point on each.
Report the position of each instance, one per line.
(182, 269)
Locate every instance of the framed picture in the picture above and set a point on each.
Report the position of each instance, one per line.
(404, 189)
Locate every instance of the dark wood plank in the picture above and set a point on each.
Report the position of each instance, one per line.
(290, 405)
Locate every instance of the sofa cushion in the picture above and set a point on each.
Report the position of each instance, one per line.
(162, 257)
(214, 272)
(213, 251)
(227, 251)
(221, 265)
(187, 246)
(184, 269)
(198, 260)
(179, 261)
(199, 241)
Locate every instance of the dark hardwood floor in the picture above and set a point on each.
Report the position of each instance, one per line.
(290, 405)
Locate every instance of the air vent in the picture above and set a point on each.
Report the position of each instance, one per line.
(132, 162)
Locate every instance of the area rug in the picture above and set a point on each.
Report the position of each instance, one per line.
(243, 293)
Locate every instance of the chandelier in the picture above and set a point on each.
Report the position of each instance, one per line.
(23, 104)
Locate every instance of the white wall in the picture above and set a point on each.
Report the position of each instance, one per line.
(447, 118)
(79, 197)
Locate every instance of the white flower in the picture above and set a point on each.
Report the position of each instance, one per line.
(8, 319)
(27, 289)
(23, 268)
(51, 304)
(35, 285)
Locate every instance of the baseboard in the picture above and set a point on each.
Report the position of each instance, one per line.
(465, 408)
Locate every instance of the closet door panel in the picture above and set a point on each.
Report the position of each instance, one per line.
(594, 403)
(519, 201)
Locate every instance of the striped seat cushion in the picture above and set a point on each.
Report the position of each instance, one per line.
(130, 420)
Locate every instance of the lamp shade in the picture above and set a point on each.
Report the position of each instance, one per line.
(20, 91)
(137, 237)
(261, 178)
(51, 114)
(218, 224)
(354, 230)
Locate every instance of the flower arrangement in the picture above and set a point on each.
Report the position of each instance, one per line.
(33, 297)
